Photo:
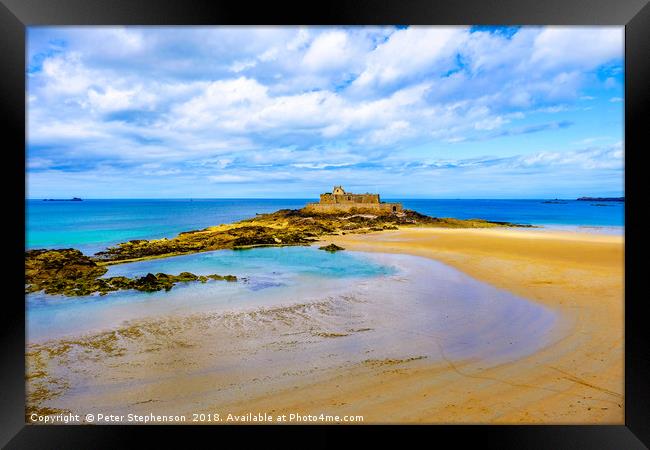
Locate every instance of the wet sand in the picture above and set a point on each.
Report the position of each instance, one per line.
(579, 379)
(352, 355)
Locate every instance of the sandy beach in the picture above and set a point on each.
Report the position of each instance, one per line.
(578, 379)
(297, 358)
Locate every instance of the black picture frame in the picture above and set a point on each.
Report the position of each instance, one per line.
(16, 15)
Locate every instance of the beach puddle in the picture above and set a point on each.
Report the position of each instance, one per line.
(300, 313)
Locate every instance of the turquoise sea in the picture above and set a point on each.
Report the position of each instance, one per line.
(92, 225)
(275, 276)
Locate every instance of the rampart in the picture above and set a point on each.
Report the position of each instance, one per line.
(339, 200)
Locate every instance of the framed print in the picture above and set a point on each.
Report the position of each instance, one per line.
(361, 216)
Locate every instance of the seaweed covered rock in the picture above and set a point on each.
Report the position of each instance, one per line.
(58, 271)
(151, 283)
(69, 263)
(283, 227)
(69, 272)
(241, 235)
(332, 248)
(159, 281)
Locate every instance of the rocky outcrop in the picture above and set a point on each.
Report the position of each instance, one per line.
(224, 237)
(284, 227)
(69, 272)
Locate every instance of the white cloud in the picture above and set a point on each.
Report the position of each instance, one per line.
(64, 75)
(594, 158)
(410, 53)
(331, 99)
(299, 40)
(490, 123)
(329, 51)
(228, 178)
(111, 99)
(240, 66)
(577, 47)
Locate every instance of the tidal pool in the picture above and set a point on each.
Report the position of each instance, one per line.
(404, 304)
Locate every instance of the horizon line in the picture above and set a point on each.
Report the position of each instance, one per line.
(315, 198)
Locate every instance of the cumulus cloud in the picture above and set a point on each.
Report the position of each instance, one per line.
(576, 47)
(247, 105)
(410, 54)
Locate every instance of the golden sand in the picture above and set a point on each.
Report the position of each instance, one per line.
(578, 379)
(169, 363)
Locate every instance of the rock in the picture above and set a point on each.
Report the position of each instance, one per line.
(61, 271)
(150, 283)
(186, 276)
(332, 248)
(69, 272)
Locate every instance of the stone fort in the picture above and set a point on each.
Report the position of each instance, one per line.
(339, 200)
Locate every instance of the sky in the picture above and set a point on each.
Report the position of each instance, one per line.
(289, 112)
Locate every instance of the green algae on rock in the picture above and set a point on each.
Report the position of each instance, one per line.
(283, 227)
(70, 272)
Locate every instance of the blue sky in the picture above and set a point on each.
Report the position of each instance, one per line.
(420, 112)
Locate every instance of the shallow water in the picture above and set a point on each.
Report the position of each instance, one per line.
(292, 268)
(410, 305)
(205, 346)
(92, 225)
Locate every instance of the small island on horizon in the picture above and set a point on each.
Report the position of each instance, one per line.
(73, 199)
(601, 199)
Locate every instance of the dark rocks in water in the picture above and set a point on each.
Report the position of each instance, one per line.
(69, 272)
(162, 281)
(229, 278)
(331, 248)
(73, 199)
(151, 283)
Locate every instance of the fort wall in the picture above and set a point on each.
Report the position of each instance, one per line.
(348, 198)
(339, 200)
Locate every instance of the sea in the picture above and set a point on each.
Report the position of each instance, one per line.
(446, 299)
(92, 225)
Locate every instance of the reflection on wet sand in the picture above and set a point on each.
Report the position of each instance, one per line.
(178, 363)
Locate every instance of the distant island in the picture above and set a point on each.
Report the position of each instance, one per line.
(73, 199)
(601, 199)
